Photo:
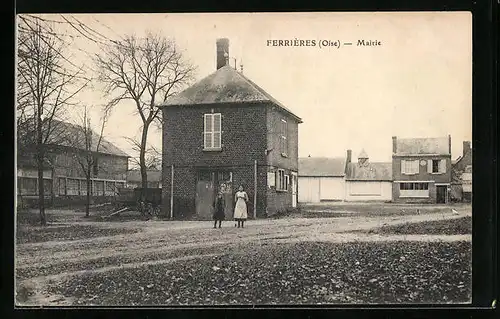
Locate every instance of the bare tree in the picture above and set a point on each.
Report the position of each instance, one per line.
(45, 86)
(146, 70)
(152, 155)
(90, 145)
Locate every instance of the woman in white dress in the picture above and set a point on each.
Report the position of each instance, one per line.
(240, 209)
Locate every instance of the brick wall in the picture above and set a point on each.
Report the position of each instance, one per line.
(243, 135)
(274, 158)
(184, 191)
(279, 201)
(423, 175)
(243, 141)
(248, 130)
(397, 199)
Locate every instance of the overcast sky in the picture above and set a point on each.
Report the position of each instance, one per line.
(417, 83)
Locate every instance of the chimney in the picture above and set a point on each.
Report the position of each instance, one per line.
(449, 143)
(466, 148)
(222, 52)
(349, 156)
(394, 144)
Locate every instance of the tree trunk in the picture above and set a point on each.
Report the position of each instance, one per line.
(142, 159)
(39, 162)
(89, 190)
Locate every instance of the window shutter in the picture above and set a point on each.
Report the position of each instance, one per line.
(208, 123)
(429, 166)
(403, 163)
(217, 122)
(442, 166)
(276, 179)
(218, 127)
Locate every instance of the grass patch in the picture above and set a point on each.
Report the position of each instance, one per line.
(334, 210)
(32, 218)
(35, 234)
(459, 226)
(303, 273)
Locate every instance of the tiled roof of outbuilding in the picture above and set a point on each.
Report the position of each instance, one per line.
(71, 135)
(321, 167)
(371, 172)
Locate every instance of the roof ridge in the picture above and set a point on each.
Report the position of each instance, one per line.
(263, 92)
(68, 126)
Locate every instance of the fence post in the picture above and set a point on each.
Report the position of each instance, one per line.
(172, 193)
(255, 190)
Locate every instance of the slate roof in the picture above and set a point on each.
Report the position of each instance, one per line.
(134, 175)
(371, 172)
(422, 146)
(226, 85)
(321, 167)
(71, 135)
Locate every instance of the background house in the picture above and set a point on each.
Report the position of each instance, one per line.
(64, 177)
(321, 179)
(223, 132)
(421, 169)
(134, 179)
(461, 184)
(367, 181)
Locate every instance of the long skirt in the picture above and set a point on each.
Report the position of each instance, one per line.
(240, 210)
(219, 214)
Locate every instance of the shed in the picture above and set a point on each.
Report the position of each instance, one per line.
(321, 179)
(368, 181)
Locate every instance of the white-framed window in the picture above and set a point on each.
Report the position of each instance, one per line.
(409, 167)
(436, 166)
(83, 187)
(412, 189)
(72, 186)
(98, 188)
(282, 180)
(78, 186)
(283, 137)
(62, 186)
(212, 131)
(27, 186)
(109, 188)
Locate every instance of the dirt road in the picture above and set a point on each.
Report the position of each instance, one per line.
(166, 241)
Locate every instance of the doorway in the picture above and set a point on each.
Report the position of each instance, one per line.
(441, 194)
(209, 183)
(294, 189)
